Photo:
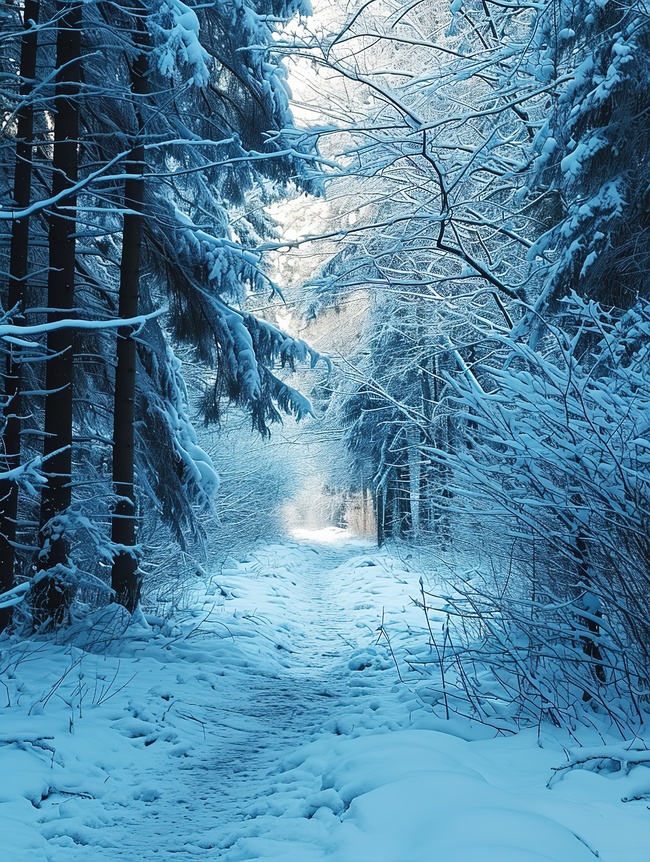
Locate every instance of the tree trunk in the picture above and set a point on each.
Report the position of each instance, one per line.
(590, 642)
(403, 501)
(126, 579)
(415, 478)
(18, 268)
(50, 594)
(389, 506)
(381, 524)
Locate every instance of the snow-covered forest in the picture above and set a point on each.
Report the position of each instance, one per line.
(325, 416)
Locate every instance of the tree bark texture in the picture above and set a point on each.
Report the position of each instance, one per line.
(50, 595)
(126, 579)
(18, 270)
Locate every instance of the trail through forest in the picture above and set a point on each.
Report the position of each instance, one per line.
(267, 712)
(267, 722)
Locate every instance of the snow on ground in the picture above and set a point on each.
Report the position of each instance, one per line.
(268, 723)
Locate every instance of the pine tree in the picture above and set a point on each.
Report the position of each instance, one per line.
(193, 94)
(591, 170)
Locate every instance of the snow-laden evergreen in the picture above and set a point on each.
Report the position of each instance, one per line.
(182, 108)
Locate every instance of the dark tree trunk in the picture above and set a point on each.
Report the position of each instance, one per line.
(18, 268)
(126, 579)
(590, 644)
(50, 595)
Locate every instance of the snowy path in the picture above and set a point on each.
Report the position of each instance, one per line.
(269, 726)
(266, 712)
